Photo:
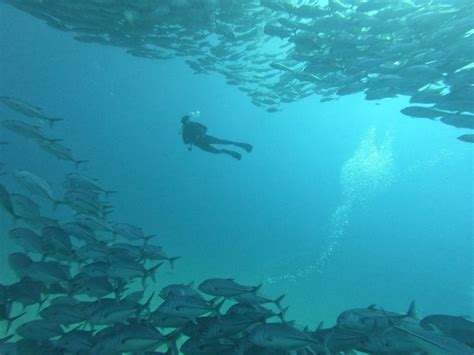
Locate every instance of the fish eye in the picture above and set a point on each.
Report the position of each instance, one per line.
(269, 339)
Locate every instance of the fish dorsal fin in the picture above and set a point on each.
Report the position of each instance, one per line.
(191, 284)
(230, 279)
(320, 326)
(373, 307)
(290, 323)
(411, 310)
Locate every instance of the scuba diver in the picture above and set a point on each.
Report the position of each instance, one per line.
(194, 134)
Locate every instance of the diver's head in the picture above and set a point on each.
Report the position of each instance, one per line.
(185, 119)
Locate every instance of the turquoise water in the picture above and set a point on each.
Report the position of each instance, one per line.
(340, 205)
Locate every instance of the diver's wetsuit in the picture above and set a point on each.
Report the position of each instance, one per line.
(194, 133)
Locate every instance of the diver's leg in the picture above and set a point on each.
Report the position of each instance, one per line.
(209, 148)
(215, 140)
(233, 154)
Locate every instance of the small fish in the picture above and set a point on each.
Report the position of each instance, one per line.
(188, 307)
(139, 338)
(49, 272)
(154, 252)
(280, 336)
(130, 232)
(87, 183)
(225, 287)
(28, 240)
(39, 330)
(26, 130)
(93, 223)
(459, 328)
(24, 206)
(97, 251)
(434, 341)
(35, 185)
(55, 148)
(176, 290)
(97, 287)
(109, 311)
(163, 320)
(19, 262)
(469, 138)
(129, 270)
(422, 112)
(27, 109)
(76, 341)
(371, 318)
(27, 292)
(80, 232)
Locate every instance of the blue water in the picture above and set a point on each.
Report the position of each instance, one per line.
(405, 233)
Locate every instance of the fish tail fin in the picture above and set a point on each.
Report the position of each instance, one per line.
(12, 319)
(216, 309)
(57, 203)
(257, 288)
(120, 289)
(281, 315)
(278, 301)
(146, 305)
(40, 305)
(53, 120)
(213, 301)
(78, 163)
(151, 272)
(172, 260)
(171, 340)
(147, 238)
(109, 192)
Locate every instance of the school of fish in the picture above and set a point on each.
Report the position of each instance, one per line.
(280, 51)
(89, 285)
